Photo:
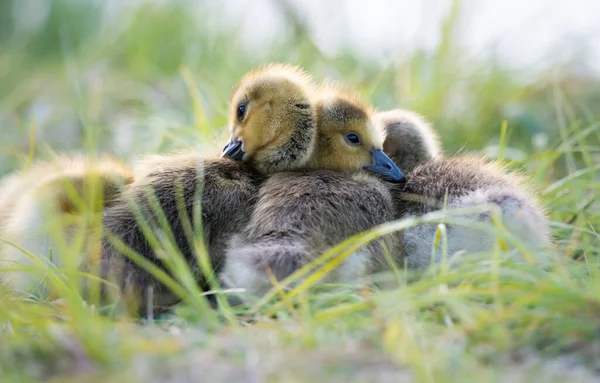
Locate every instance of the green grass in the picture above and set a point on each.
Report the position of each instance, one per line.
(154, 79)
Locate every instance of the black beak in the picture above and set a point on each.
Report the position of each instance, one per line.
(385, 167)
(233, 150)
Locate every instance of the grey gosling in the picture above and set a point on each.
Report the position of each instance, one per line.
(54, 205)
(299, 215)
(435, 181)
(272, 122)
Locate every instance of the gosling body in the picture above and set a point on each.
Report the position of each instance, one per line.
(50, 209)
(467, 182)
(299, 215)
(272, 124)
(226, 191)
(436, 182)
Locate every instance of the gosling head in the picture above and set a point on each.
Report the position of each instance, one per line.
(409, 139)
(272, 119)
(347, 139)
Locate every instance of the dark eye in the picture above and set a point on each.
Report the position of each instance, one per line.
(352, 139)
(241, 111)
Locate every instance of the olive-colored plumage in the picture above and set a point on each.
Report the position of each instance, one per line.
(279, 128)
(275, 130)
(299, 215)
(54, 205)
(435, 181)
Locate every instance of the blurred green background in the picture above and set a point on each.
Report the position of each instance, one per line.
(138, 76)
(122, 76)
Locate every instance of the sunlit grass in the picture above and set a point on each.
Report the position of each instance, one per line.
(143, 87)
(528, 312)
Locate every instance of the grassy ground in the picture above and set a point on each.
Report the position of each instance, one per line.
(152, 79)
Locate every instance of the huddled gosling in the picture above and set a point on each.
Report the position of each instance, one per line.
(435, 181)
(272, 121)
(299, 215)
(45, 207)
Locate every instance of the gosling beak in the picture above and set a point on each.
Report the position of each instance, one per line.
(385, 167)
(233, 150)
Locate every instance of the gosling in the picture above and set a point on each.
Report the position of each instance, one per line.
(272, 122)
(435, 182)
(53, 205)
(299, 215)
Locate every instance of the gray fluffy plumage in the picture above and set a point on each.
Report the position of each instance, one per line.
(227, 198)
(300, 215)
(435, 181)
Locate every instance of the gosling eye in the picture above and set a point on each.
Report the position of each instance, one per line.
(352, 139)
(241, 111)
